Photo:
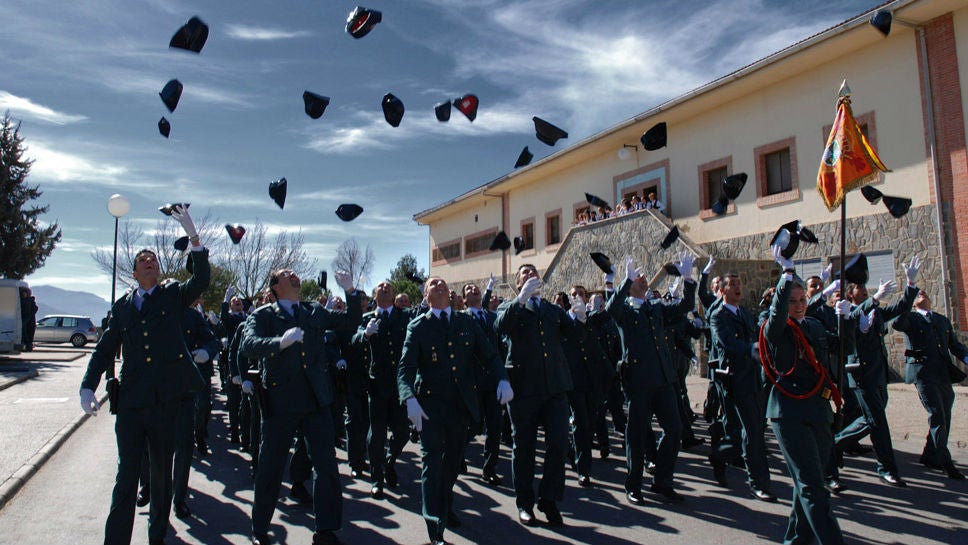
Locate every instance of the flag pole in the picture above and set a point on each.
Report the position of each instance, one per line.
(841, 326)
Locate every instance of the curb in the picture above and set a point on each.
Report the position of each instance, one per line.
(29, 375)
(11, 486)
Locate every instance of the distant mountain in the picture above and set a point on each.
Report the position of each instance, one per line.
(53, 300)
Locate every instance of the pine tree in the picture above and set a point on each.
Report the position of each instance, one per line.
(24, 243)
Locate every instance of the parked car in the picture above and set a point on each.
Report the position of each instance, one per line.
(77, 330)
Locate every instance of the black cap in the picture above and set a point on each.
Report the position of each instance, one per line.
(603, 262)
(546, 132)
(168, 208)
(721, 205)
(518, 245)
(897, 206)
(670, 238)
(392, 109)
(855, 271)
(882, 21)
(467, 105)
(671, 269)
(500, 242)
(322, 280)
(789, 235)
(277, 191)
(164, 127)
(524, 158)
(171, 93)
(734, 184)
(246, 304)
(191, 36)
(595, 200)
(349, 212)
(361, 20)
(181, 244)
(414, 277)
(654, 138)
(315, 104)
(442, 111)
(871, 193)
(235, 232)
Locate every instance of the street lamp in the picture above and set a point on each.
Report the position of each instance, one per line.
(118, 205)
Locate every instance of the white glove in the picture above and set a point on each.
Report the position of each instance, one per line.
(529, 288)
(237, 380)
(755, 350)
(684, 265)
(709, 266)
(248, 387)
(372, 328)
(578, 309)
(885, 289)
(200, 355)
(630, 271)
(842, 308)
(88, 402)
(341, 364)
(597, 303)
(344, 280)
(504, 392)
(866, 321)
(825, 274)
(212, 317)
(292, 335)
(829, 290)
(698, 323)
(416, 413)
(778, 257)
(608, 278)
(229, 292)
(490, 283)
(182, 216)
(911, 269)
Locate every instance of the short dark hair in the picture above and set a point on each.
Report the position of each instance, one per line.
(142, 252)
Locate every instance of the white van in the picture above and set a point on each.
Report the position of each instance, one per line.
(10, 321)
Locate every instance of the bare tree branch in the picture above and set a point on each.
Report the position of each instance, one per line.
(355, 260)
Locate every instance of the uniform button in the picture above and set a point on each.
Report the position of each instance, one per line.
(181, 356)
(303, 353)
(542, 333)
(148, 359)
(144, 322)
(146, 333)
(188, 331)
(451, 356)
(147, 347)
(546, 354)
(275, 384)
(454, 368)
(304, 366)
(450, 343)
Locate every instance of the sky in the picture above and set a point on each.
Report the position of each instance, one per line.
(84, 77)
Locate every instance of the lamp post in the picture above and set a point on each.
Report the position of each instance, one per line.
(118, 205)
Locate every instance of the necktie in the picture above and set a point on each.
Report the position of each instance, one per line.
(294, 309)
(443, 317)
(535, 303)
(927, 316)
(482, 318)
(385, 315)
(144, 302)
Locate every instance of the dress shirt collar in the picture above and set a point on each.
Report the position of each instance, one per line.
(734, 309)
(437, 312)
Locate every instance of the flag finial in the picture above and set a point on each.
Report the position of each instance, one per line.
(844, 90)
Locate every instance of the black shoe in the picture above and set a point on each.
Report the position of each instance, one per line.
(857, 450)
(156, 541)
(182, 511)
(690, 442)
(526, 517)
(144, 497)
(355, 473)
(719, 474)
(203, 448)
(667, 493)
(234, 439)
(376, 492)
(650, 468)
(762, 495)
(550, 509)
(635, 498)
(390, 475)
(953, 472)
(414, 436)
(259, 538)
(894, 480)
(928, 463)
(491, 478)
(453, 521)
(604, 452)
(326, 537)
(584, 481)
(299, 493)
(835, 486)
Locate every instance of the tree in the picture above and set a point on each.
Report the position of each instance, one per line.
(405, 278)
(254, 257)
(354, 260)
(24, 243)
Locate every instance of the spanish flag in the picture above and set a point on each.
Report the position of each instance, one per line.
(848, 161)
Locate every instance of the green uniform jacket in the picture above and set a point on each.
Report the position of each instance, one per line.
(198, 334)
(936, 341)
(439, 361)
(733, 337)
(385, 349)
(157, 365)
(286, 373)
(646, 357)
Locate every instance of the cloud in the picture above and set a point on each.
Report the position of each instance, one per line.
(253, 33)
(25, 108)
(54, 166)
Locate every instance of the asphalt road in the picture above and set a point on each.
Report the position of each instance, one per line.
(66, 501)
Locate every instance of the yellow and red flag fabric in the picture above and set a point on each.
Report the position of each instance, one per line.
(848, 161)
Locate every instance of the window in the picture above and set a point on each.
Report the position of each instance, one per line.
(553, 228)
(710, 178)
(479, 243)
(448, 251)
(776, 173)
(70, 322)
(778, 176)
(714, 183)
(527, 233)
